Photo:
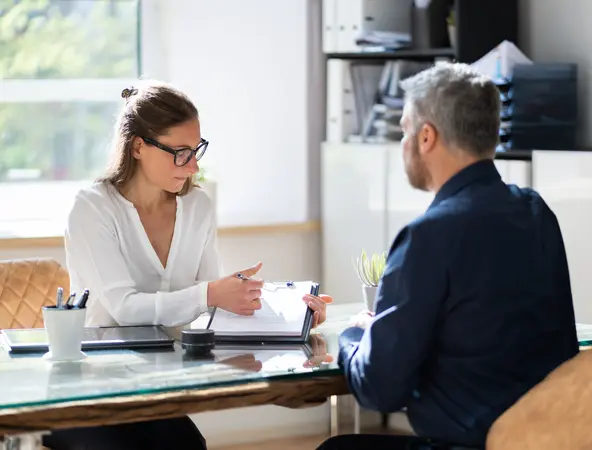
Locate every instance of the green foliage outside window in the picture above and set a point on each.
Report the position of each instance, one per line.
(63, 39)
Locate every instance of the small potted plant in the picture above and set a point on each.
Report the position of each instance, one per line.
(451, 29)
(370, 270)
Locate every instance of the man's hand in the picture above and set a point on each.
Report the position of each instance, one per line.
(362, 320)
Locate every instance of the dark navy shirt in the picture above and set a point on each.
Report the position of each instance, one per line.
(473, 310)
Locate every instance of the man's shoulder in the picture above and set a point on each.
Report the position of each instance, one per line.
(524, 192)
(462, 205)
(452, 214)
(442, 214)
(531, 198)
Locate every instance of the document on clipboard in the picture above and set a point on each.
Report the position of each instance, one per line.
(283, 316)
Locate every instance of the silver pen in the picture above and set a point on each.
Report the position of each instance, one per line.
(59, 297)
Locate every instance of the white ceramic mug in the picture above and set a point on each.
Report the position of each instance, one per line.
(369, 296)
(65, 330)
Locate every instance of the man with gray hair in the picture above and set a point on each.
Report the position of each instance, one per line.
(475, 306)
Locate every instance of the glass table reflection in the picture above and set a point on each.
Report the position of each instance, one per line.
(28, 380)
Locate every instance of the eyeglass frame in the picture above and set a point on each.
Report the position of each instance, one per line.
(202, 144)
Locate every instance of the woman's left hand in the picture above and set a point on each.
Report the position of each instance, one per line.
(319, 306)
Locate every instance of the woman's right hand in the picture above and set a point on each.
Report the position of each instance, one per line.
(235, 295)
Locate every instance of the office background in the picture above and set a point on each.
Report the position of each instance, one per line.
(257, 76)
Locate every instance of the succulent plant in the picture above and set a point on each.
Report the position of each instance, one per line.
(370, 269)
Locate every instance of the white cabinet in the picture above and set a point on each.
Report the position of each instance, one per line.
(353, 199)
(366, 200)
(515, 172)
(564, 180)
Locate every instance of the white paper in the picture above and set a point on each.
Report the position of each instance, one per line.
(500, 61)
(282, 314)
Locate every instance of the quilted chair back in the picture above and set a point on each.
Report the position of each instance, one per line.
(25, 286)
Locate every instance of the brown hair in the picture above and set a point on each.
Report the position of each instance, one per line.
(150, 109)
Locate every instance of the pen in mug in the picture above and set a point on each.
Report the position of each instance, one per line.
(70, 302)
(59, 297)
(81, 302)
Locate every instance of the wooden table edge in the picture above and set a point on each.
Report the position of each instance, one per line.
(297, 393)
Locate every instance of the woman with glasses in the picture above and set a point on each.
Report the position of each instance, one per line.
(142, 240)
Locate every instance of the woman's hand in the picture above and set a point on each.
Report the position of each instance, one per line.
(235, 295)
(319, 306)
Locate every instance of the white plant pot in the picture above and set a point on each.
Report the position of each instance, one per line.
(369, 296)
(452, 36)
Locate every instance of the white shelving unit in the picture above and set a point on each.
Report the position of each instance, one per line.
(365, 196)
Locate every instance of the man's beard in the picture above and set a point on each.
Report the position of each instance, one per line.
(417, 172)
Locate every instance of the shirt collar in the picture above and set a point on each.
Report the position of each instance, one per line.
(483, 170)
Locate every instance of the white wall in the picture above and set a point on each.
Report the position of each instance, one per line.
(559, 31)
(284, 256)
(251, 68)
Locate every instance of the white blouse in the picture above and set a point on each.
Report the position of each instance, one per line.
(108, 252)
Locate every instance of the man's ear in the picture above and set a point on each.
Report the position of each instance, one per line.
(137, 144)
(427, 137)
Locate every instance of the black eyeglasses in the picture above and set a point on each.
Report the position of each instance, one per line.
(183, 155)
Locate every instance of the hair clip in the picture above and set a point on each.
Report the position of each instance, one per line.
(128, 92)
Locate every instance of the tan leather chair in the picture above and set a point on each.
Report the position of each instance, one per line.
(25, 286)
(554, 415)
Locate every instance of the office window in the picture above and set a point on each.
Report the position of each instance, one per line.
(63, 64)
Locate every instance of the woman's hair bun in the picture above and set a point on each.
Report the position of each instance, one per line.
(128, 92)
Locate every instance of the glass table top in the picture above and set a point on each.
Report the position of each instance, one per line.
(29, 380)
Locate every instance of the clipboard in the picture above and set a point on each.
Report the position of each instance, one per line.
(265, 328)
